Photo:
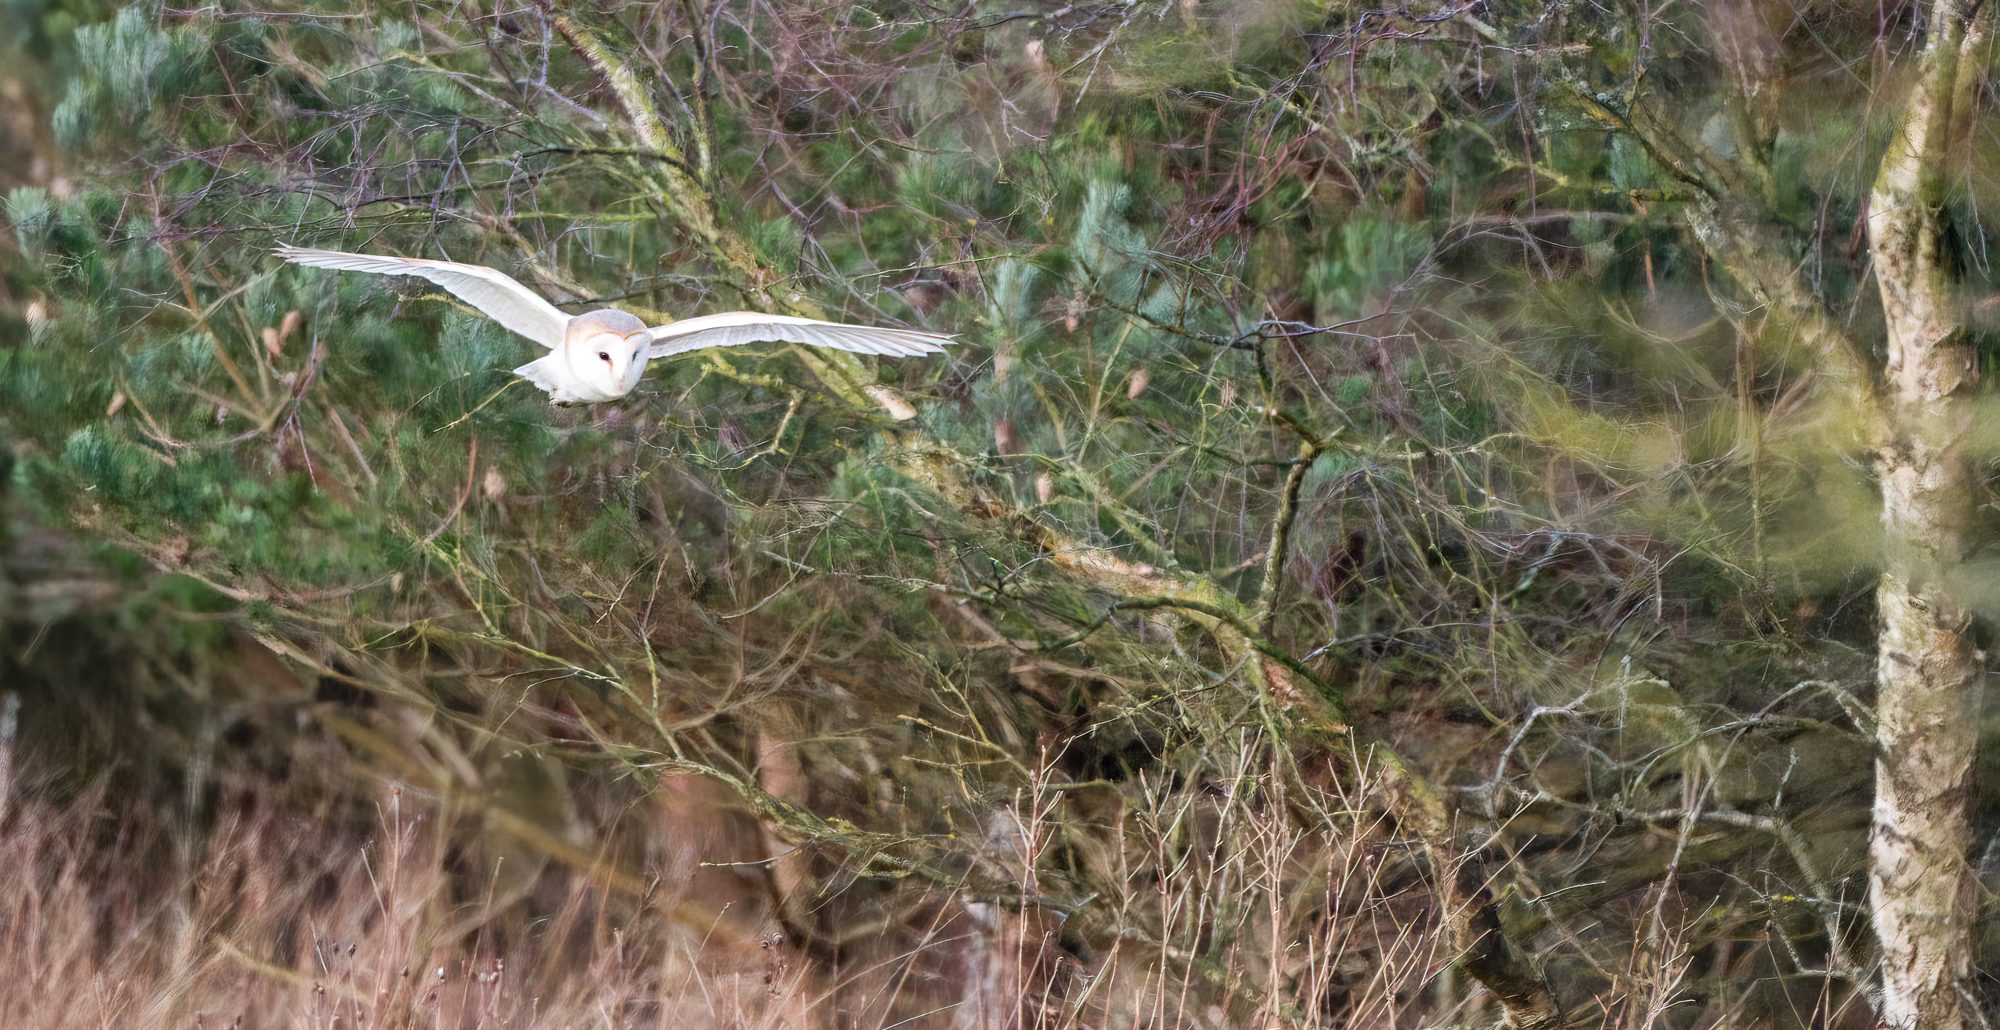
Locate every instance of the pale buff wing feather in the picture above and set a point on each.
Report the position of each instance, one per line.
(736, 328)
(495, 294)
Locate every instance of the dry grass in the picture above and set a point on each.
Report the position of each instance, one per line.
(273, 918)
(115, 915)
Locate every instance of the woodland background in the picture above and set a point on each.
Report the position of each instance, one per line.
(1377, 558)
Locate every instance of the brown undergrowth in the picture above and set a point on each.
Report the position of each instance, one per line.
(278, 915)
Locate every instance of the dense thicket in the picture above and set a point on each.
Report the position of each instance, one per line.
(1391, 548)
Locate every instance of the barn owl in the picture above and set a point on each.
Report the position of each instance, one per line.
(600, 355)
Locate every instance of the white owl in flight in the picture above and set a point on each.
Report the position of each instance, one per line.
(600, 355)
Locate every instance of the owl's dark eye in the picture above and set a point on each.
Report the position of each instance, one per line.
(604, 355)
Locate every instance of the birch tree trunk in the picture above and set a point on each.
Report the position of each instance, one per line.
(1928, 673)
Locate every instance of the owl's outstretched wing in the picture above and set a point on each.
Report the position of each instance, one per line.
(735, 328)
(494, 293)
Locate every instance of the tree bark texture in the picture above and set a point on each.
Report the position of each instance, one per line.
(1929, 675)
